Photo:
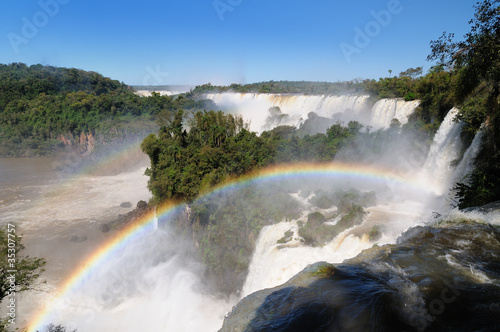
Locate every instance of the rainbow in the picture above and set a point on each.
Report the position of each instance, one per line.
(145, 223)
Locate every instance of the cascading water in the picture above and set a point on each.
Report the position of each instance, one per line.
(343, 108)
(156, 284)
(153, 285)
(466, 164)
(385, 110)
(273, 263)
(438, 275)
(444, 152)
(255, 106)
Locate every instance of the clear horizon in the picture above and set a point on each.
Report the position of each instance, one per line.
(229, 41)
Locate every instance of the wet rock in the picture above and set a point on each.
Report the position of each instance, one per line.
(441, 278)
(142, 205)
(126, 205)
(123, 219)
(78, 239)
(490, 207)
(104, 228)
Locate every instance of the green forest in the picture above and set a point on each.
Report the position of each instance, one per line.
(39, 104)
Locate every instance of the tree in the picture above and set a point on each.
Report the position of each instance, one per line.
(17, 273)
(28, 269)
(475, 59)
(56, 328)
(411, 72)
(475, 64)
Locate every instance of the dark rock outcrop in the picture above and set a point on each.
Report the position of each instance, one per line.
(123, 219)
(443, 278)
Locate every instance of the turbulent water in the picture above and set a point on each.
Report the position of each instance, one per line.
(156, 283)
(295, 109)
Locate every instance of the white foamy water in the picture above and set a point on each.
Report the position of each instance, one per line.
(385, 110)
(466, 164)
(154, 283)
(273, 263)
(444, 151)
(150, 285)
(344, 108)
(255, 107)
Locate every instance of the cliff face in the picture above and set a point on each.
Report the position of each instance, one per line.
(82, 145)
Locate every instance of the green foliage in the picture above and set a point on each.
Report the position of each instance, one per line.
(316, 218)
(286, 238)
(315, 232)
(323, 200)
(28, 269)
(347, 200)
(219, 147)
(475, 65)
(411, 72)
(482, 186)
(302, 87)
(324, 271)
(185, 164)
(375, 233)
(56, 328)
(410, 96)
(39, 104)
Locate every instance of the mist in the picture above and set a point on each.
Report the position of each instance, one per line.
(154, 283)
(157, 281)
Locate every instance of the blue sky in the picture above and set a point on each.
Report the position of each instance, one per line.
(228, 41)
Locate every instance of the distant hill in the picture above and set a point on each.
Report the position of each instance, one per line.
(45, 110)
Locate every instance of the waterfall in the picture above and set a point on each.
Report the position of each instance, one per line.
(344, 108)
(467, 162)
(155, 221)
(385, 110)
(273, 264)
(444, 152)
(255, 106)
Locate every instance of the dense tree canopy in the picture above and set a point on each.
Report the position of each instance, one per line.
(17, 273)
(475, 65)
(39, 103)
(219, 146)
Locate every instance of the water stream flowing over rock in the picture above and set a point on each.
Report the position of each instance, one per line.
(296, 108)
(445, 277)
(437, 276)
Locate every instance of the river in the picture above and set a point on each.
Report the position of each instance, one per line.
(59, 211)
